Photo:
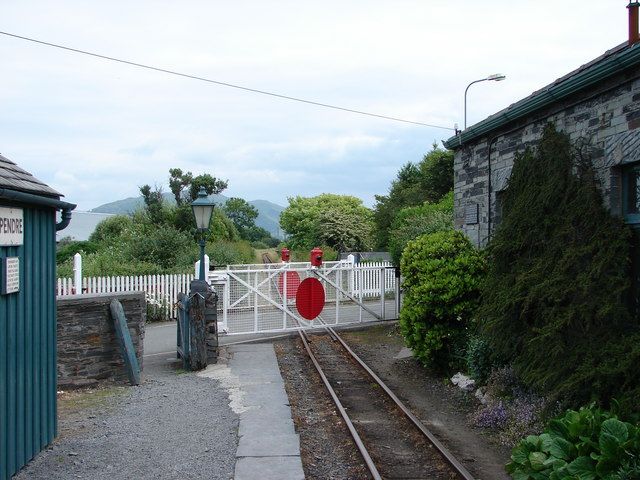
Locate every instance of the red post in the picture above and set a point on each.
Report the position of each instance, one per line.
(316, 257)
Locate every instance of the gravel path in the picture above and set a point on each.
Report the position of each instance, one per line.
(176, 425)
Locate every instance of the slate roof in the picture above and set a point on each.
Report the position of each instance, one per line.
(606, 65)
(15, 178)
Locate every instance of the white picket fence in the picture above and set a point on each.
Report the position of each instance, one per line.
(161, 291)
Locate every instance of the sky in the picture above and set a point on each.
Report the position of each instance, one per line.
(97, 130)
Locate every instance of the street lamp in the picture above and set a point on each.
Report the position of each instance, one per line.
(202, 209)
(496, 77)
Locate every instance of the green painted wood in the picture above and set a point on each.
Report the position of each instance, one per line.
(28, 345)
(127, 349)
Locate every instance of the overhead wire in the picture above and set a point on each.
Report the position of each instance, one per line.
(217, 82)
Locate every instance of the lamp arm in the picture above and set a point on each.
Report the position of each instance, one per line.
(465, 98)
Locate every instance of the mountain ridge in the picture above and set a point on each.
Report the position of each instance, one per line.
(268, 212)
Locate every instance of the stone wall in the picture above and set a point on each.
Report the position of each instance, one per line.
(603, 119)
(88, 350)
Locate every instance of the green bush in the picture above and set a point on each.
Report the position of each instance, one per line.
(111, 228)
(412, 222)
(69, 249)
(230, 253)
(554, 299)
(442, 276)
(581, 445)
(479, 359)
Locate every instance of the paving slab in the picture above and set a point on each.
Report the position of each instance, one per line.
(268, 447)
(269, 468)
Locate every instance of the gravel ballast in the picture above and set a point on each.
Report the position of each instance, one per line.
(176, 425)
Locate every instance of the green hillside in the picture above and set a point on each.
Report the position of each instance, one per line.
(268, 212)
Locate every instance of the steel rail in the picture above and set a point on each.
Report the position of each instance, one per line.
(356, 437)
(455, 464)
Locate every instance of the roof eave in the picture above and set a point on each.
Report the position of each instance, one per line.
(586, 78)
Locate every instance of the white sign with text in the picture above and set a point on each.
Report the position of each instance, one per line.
(11, 227)
(11, 275)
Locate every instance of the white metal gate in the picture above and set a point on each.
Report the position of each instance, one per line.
(261, 298)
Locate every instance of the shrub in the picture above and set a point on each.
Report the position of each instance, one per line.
(111, 228)
(230, 253)
(478, 358)
(442, 276)
(585, 444)
(69, 249)
(554, 299)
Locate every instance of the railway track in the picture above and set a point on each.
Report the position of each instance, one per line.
(392, 441)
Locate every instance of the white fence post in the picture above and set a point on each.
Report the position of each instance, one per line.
(77, 273)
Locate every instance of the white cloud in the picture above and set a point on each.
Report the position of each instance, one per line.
(97, 130)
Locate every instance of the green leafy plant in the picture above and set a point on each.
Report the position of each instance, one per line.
(442, 275)
(588, 444)
(479, 359)
(411, 222)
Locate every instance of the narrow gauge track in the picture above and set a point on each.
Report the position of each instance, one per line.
(392, 441)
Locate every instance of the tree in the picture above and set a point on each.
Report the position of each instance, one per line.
(154, 203)
(554, 299)
(436, 174)
(338, 221)
(180, 182)
(241, 213)
(412, 222)
(427, 181)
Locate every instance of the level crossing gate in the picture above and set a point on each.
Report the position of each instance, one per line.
(261, 298)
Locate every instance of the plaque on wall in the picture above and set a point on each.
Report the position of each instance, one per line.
(471, 214)
(10, 275)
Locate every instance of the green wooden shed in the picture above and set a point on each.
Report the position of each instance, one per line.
(28, 226)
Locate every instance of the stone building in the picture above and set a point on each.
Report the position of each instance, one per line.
(598, 105)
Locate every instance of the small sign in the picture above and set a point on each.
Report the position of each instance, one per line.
(11, 227)
(10, 275)
(471, 214)
(310, 298)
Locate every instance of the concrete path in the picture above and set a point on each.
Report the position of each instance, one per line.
(268, 446)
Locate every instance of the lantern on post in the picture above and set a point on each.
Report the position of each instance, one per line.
(202, 210)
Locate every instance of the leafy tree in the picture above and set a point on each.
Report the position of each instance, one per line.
(404, 192)
(241, 213)
(111, 228)
(309, 222)
(154, 203)
(212, 185)
(427, 181)
(180, 182)
(436, 174)
(411, 222)
(346, 230)
(553, 303)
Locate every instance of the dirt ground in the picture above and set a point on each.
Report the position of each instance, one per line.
(326, 446)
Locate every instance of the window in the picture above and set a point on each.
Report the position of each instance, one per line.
(631, 194)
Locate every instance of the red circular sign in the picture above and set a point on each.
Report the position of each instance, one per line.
(293, 282)
(310, 298)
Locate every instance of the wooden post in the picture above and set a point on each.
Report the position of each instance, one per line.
(124, 340)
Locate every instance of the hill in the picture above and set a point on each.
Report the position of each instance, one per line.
(268, 212)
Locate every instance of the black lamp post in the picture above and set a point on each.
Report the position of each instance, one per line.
(202, 211)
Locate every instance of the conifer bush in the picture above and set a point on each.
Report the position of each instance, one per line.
(554, 299)
(442, 275)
